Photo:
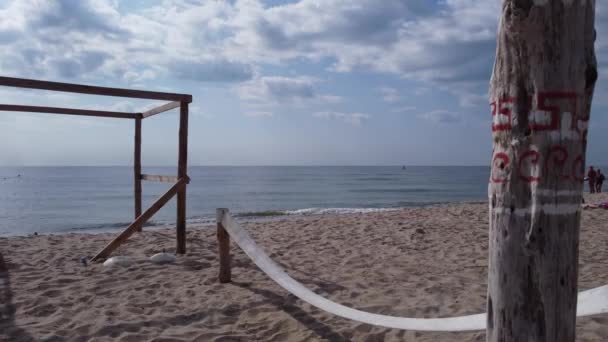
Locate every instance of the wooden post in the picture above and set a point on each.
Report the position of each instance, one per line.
(182, 171)
(137, 170)
(540, 95)
(145, 216)
(223, 241)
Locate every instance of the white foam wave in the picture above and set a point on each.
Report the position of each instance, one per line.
(320, 211)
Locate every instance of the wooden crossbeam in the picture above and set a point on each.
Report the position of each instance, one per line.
(158, 178)
(92, 90)
(133, 227)
(67, 111)
(160, 109)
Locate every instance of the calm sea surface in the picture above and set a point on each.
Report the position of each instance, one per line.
(95, 199)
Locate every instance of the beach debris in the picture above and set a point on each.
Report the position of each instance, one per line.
(123, 261)
(163, 258)
(420, 231)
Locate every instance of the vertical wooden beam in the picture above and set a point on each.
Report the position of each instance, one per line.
(182, 171)
(223, 241)
(137, 170)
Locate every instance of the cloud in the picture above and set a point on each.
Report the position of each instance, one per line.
(72, 66)
(278, 89)
(259, 114)
(390, 94)
(350, 118)
(418, 40)
(446, 44)
(68, 16)
(211, 71)
(58, 38)
(441, 117)
(405, 109)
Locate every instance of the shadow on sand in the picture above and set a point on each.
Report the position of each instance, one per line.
(288, 304)
(8, 326)
(230, 316)
(11, 332)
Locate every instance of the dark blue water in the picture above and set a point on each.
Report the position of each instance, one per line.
(90, 199)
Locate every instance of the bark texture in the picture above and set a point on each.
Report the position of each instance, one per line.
(540, 94)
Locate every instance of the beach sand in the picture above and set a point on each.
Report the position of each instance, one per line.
(423, 262)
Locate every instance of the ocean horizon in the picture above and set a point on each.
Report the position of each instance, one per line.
(95, 199)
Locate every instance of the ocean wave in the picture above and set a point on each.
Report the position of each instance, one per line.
(411, 190)
(104, 226)
(266, 213)
(391, 179)
(320, 211)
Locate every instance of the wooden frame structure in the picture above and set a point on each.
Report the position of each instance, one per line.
(179, 188)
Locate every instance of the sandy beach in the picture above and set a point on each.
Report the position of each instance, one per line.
(421, 262)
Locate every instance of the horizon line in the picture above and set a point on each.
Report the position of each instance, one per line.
(253, 165)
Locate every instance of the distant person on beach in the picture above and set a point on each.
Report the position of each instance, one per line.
(599, 180)
(591, 178)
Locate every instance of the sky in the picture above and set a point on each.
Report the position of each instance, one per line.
(308, 82)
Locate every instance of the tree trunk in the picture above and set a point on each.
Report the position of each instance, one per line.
(540, 94)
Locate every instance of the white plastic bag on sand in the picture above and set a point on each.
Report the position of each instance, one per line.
(163, 258)
(123, 261)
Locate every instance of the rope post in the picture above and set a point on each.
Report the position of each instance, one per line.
(223, 241)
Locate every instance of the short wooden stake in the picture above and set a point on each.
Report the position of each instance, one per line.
(223, 241)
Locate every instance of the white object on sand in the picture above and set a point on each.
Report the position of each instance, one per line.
(590, 302)
(123, 261)
(163, 258)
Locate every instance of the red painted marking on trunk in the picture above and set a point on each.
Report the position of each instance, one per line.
(554, 110)
(504, 162)
(578, 169)
(545, 102)
(559, 155)
(501, 109)
(535, 158)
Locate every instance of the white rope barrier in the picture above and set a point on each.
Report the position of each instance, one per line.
(590, 302)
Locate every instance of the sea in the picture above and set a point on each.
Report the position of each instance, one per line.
(59, 200)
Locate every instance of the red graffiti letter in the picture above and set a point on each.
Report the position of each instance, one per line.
(535, 156)
(555, 111)
(558, 155)
(503, 111)
(501, 160)
(578, 169)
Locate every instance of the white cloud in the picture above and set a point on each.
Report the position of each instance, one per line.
(404, 109)
(259, 114)
(441, 117)
(211, 70)
(423, 42)
(448, 44)
(350, 118)
(390, 94)
(277, 89)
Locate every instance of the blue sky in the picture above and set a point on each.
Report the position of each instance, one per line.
(306, 82)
